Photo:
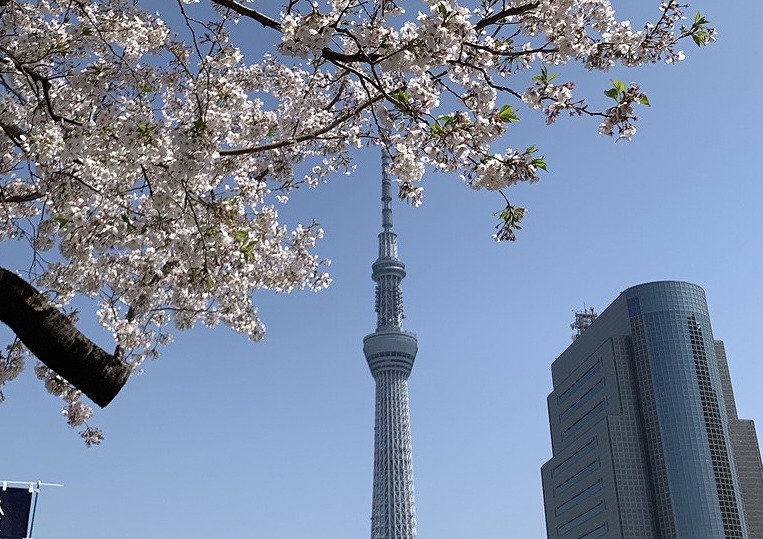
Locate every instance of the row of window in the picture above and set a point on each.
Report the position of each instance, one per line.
(718, 451)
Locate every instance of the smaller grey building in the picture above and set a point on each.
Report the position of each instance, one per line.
(645, 435)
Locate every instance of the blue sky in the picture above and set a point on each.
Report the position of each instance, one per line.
(275, 440)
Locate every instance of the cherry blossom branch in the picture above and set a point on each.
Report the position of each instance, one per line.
(307, 136)
(264, 20)
(55, 341)
(508, 12)
(156, 226)
(16, 199)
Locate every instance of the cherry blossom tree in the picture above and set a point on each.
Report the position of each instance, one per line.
(140, 163)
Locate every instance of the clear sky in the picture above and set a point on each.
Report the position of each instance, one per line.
(274, 441)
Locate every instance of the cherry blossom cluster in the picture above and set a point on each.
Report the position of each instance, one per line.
(11, 363)
(143, 164)
(622, 115)
(76, 412)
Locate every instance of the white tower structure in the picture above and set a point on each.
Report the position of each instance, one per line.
(390, 352)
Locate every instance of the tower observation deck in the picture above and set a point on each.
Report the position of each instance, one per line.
(390, 352)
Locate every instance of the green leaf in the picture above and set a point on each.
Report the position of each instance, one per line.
(144, 132)
(618, 85)
(401, 96)
(62, 221)
(612, 92)
(644, 100)
(199, 125)
(248, 250)
(539, 163)
(507, 114)
(544, 78)
(700, 36)
(86, 31)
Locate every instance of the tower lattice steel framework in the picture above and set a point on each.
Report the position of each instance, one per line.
(390, 352)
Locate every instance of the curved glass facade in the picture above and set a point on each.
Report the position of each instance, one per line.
(684, 420)
(645, 434)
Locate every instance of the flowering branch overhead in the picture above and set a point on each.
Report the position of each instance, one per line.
(141, 164)
(264, 20)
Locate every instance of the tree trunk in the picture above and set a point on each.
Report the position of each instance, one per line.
(55, 341)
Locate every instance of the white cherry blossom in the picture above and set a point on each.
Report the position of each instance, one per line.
(143, 164)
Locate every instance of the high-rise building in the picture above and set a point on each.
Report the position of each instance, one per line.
(390, 352)
(645, 436)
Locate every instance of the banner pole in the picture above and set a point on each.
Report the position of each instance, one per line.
(34, 509)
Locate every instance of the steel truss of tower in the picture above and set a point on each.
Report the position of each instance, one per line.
(390, 352)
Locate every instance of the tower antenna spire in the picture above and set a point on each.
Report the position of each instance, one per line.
(388, 270)
(390, 352)
(386, 192)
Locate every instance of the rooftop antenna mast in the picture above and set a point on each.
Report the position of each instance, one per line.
(583, 319)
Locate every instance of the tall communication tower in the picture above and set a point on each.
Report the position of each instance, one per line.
(390, 352)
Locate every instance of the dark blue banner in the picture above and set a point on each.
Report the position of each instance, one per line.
(14, 512)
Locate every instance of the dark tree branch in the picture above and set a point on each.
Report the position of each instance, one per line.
(508, 12)
(361, 56)
(16, 199)
(306, 136)
(13, 131)
(247, 12)
(55, 341)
